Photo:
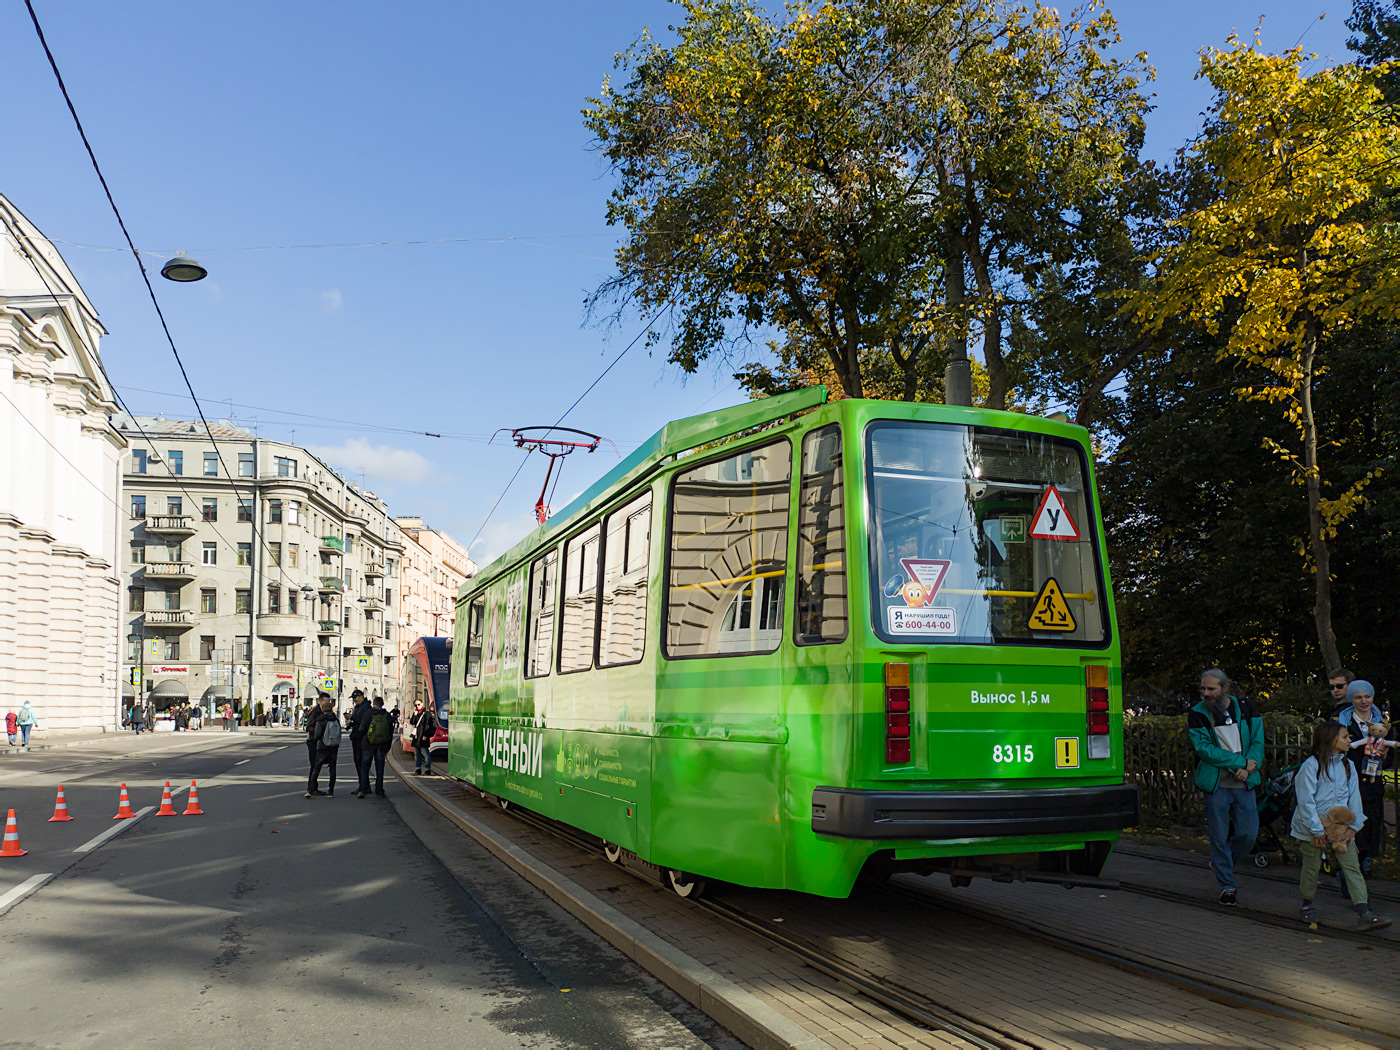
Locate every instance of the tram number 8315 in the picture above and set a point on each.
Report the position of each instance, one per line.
(1013, 753)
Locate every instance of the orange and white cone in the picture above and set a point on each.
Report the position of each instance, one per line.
(11, 847)
(167, 804)
(193, 810)
(124, 806)
(60, 807)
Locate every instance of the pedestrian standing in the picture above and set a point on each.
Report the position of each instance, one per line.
(1325, 781)
(1367, 726)
(228, 718)
(313, 716)
(358, 725)
(12, 728)
(1227, 735)
(1337, 682)
(327, 750)
(424, 729)
(135, 717)
(149, 716)
(379, 737)
(27, 722)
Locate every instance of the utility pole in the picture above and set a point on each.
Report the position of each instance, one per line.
(255, 512)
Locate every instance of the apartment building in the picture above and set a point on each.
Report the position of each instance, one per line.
(434, 567)
(255, 572)
(60, 492)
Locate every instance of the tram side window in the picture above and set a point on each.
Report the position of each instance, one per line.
(544, 573)
(623, 634)
(580, 621)
(728, 544)
(475, 615)
(821, 541)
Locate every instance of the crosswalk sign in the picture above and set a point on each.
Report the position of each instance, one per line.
(1052, 520)
(1051, 610)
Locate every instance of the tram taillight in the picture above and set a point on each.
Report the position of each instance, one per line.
(1096, 700)
(897, 714)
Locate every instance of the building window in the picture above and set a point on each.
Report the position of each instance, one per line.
(136, 599)
(206, 647)
(274, 511)
(240, 647)
(172, 599)
(347, 579)
(138, 553)
(347, 617)
(274, 553)
(133, 647)
(174, 552)
(729, 554)
(172, 648)
(174, 506)
(208, 601)
(292, 600)
(274, 599)
(293, 555)
(138, 506)
(286, 468)
(176, 458)
(241, 601)
(245, 553)
(210, 554)
(138, 460)
(211, 464)
(211, 509)
(245, 464)
(284, 652)
(293, 512)
(245, 510)
(388, 596)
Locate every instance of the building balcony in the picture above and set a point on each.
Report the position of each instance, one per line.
(281, 625)
(372, 603)
(171, 524)
(169, 619)
(331, 585)
(327, 627)
(333, 543)
(169, 570)
(374, 567)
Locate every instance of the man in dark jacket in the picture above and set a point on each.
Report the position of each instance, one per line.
(1227, 734)
(359, 725)
(379, 738)
(327, 741)
(424, 724)
(313, 715)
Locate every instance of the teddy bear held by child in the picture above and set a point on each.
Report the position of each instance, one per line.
(1336, 826)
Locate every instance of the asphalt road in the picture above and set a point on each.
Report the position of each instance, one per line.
(275, 920)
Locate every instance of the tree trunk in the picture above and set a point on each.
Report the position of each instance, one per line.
(957, 380)
(1322, 607)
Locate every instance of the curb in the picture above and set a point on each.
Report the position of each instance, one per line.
(741, 1012)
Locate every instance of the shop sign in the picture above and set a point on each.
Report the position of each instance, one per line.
(168, 669)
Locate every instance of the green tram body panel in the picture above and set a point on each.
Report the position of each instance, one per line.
(709, 764)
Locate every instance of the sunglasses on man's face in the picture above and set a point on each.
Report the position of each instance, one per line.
(1341, 685)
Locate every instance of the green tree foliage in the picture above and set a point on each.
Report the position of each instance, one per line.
(1289, 253)
(867, 178)
(1376, 25)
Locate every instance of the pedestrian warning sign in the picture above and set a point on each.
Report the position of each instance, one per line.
(1067, 752)
(1052, 520)
(1051, 610)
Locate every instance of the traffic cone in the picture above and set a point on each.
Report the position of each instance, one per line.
(193, 810)
(11, 848)
(167, 804)
(124, 806)
(60, 807)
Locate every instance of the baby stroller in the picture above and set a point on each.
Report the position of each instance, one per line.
(1276, 803)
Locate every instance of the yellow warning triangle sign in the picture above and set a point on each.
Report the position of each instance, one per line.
(1051, 611)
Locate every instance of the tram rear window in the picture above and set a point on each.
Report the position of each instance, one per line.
(981, 536)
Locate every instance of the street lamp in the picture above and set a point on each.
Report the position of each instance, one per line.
(183, 269)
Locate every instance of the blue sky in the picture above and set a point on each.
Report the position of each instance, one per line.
(228, 126)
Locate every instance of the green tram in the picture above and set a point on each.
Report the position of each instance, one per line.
(794, 643)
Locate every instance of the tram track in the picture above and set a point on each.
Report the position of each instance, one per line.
(917, 1006)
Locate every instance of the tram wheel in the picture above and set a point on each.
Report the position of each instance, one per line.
(612, 852)
(960, 880)
(503, 803)
(1261, 860)
(686, 885)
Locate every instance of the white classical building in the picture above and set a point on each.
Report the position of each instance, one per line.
(60, 493)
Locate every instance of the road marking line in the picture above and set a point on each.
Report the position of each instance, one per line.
(241, 763)
(24, 889)
(113, 832)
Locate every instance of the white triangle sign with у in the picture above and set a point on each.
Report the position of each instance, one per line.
(1052, 520)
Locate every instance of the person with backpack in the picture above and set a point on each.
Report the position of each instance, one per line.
(27, 723)
(424, 723)
(1329, 788)
(327, 738)
(379, 737)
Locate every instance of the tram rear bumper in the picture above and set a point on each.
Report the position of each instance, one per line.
(853, 813)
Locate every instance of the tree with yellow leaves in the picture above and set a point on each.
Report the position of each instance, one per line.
(1291, 249)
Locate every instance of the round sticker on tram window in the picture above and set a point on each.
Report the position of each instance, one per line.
(894, 585)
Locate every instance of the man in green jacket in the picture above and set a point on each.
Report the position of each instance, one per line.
(1228, 737)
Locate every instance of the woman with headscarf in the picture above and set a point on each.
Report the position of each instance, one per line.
(1367, 725)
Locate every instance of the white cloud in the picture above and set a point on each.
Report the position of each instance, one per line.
(381, 462)
(331, 301)
(499, 535)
